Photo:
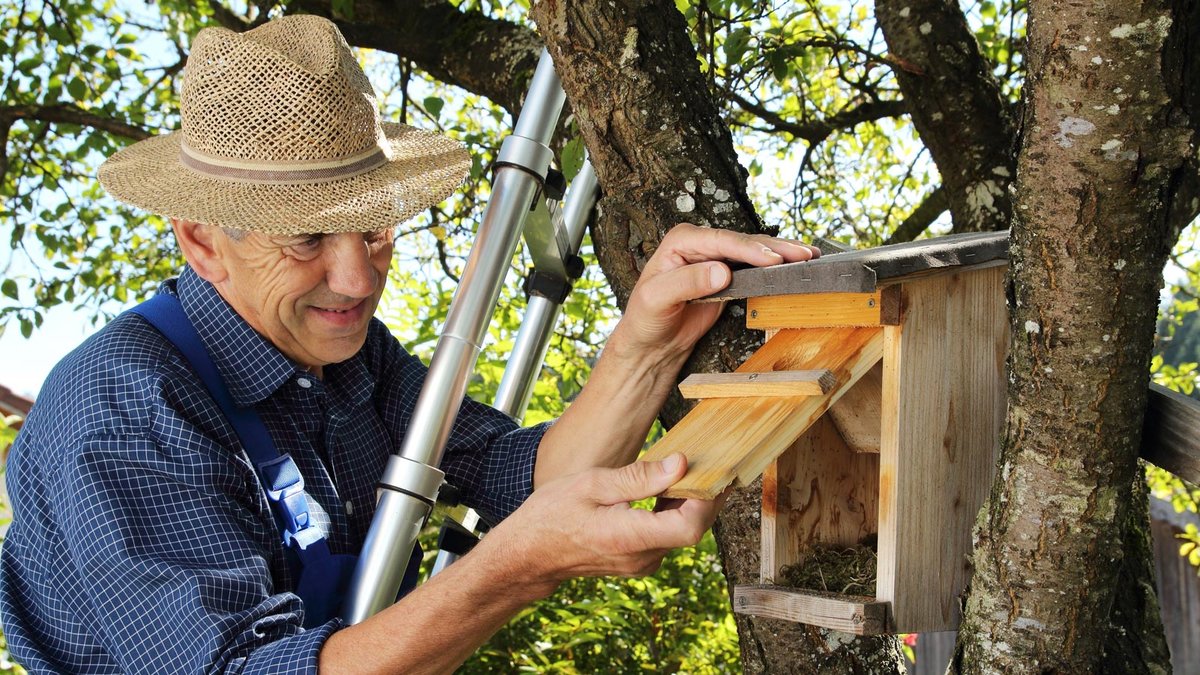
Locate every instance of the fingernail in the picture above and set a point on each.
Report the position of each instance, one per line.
(771, 252)
(718, 275)
(671, 464)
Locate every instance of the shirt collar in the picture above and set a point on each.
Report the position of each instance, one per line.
(250, 365)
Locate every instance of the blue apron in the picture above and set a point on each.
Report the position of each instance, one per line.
(323, 577)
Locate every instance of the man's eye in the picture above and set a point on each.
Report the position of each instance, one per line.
(309, 242)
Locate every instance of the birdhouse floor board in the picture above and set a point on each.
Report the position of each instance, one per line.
(736, 439)
(740, 385)
(847, 613)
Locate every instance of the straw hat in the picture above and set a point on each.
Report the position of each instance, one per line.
(281, 135)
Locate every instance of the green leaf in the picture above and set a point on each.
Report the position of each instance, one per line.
(77, 88)
(9, 288)
(343, 9)
(26, 328)
(735, 46)
(433, 105)
(572, 157)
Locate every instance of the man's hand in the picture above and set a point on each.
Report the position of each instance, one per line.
(607, 424)
(583, 525)
(690, 264)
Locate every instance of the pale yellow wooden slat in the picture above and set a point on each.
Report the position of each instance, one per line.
(725, 439)
(845, 613)
(823, 309)
(741, 385)
(943, 414)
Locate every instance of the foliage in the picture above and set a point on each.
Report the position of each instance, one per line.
(8, 432)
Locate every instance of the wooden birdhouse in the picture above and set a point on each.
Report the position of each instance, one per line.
(873, 412)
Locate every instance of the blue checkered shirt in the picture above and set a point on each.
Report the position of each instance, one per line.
(142, 541)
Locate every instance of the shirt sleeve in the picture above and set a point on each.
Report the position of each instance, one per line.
(178, 576)
(489, 457)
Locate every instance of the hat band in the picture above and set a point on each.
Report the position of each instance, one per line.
(278, 173)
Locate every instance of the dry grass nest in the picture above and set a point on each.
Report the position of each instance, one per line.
(848, 570)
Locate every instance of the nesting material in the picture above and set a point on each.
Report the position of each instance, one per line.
(835, 569)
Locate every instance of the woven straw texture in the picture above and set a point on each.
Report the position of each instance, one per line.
(281, 134)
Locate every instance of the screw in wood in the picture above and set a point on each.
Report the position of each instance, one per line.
(754, 314)
(870, 302)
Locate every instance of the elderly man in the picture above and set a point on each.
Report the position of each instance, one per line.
(147, 535)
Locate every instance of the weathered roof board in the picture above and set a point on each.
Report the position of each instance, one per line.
(862, 271)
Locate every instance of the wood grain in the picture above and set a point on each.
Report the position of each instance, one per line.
(741, 385)
(862, 271)
(1171, 433)
(817, 492)
(736, 439)
(824, 309)
(858, 416)
(847, 613)
(942, 416)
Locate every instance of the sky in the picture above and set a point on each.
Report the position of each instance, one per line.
(27, 362)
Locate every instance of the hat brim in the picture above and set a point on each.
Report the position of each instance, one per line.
(424, 168)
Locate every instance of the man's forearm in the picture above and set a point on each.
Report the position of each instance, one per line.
(441, 623)
(607, 424)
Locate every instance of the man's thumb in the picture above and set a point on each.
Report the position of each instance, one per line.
(644, 479)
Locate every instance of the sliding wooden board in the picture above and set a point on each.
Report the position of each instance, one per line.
(736, 439)
(741, 385)
(1171, 433)
(863, 271)
(942, 419)
(846, 613)
(824, 309)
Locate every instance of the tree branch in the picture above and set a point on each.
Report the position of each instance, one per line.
(815, 132)
(227, 17)
(64, 113)
(956, 105)
(921, 218)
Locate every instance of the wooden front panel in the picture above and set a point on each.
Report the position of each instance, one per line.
(942, 417)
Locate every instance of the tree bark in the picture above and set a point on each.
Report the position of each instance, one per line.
(663, 155)
(1107, 145)
(956, 105)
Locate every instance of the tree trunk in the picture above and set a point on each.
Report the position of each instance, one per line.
(1061, 562)
(663, 155)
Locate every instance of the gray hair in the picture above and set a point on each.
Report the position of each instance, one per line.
(234, 233)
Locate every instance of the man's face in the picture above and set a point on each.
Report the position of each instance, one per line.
(312, 296)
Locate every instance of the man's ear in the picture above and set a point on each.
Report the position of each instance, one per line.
(201, 248)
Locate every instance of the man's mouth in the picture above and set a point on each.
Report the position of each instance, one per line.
(342, 315)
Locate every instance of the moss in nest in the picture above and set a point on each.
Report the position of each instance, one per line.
(848, 570)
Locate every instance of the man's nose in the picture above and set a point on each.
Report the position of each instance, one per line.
(350, 271)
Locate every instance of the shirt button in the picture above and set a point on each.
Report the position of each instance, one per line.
(304, 382)
(349, 508)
